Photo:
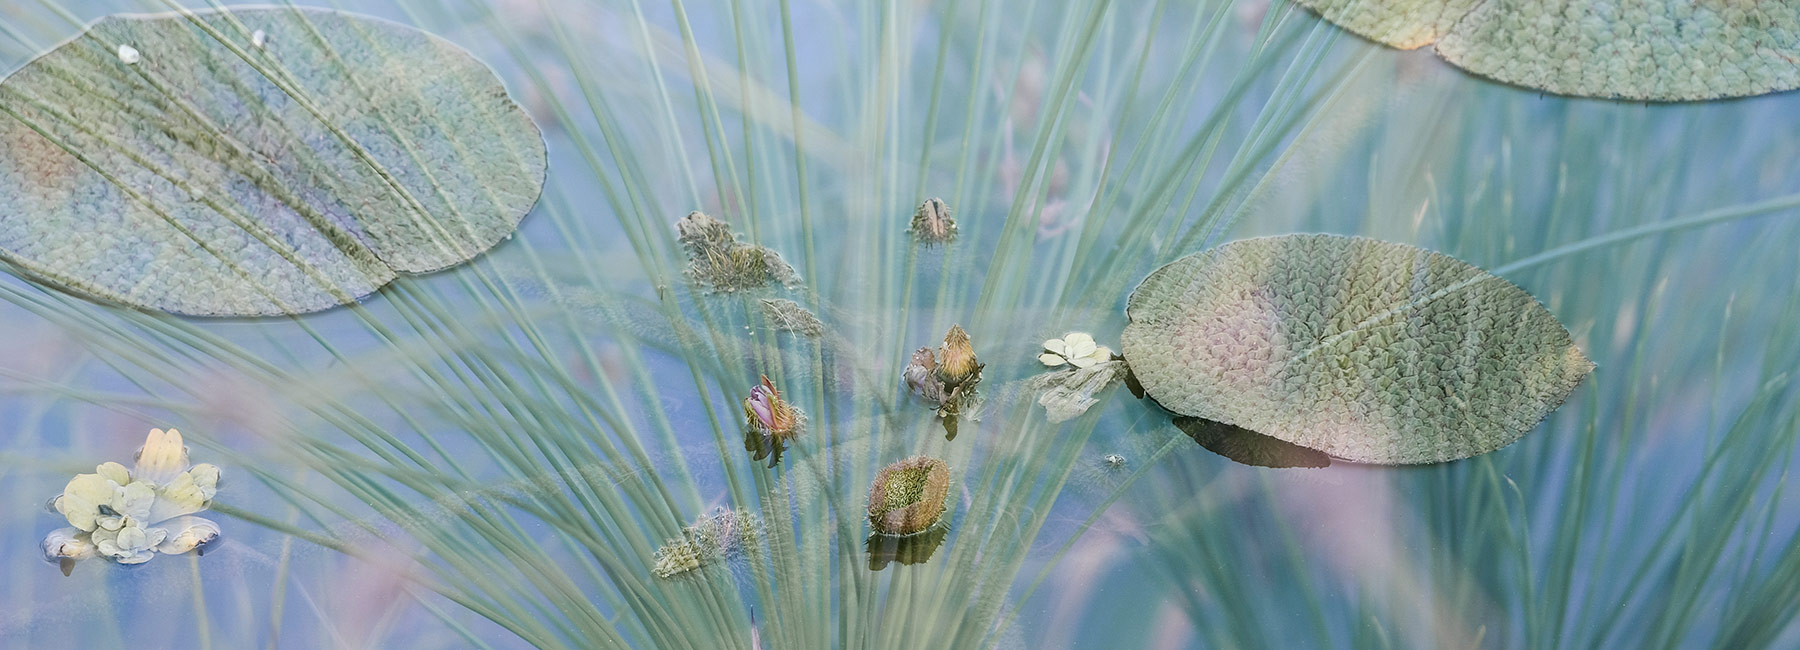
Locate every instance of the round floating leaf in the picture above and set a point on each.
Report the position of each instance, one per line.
(1662, 50)
(257, 161)
(1367, 350)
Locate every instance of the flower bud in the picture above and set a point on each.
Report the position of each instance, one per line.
(956, 364)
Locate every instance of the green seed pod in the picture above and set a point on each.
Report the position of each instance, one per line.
(909, 497)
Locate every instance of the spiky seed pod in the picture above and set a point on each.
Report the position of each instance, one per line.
(909, 497)
(700, 234)
(931, 223)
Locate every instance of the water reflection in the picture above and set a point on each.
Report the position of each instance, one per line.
(917, 549)
(1249, 447)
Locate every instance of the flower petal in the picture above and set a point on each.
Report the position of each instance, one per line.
(135, 500)
(162, 457)
(1101, 353)
(82, 497)
(114, 472)
(68, 543)
(1081, 362)
(187, 533)
(1076, 339)
(1055, 346)
(190, 492)
(1081, 349)
(1052, 360)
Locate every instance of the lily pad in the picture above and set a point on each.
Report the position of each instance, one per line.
(256, 161)
(1369, 351)
(1661, 50)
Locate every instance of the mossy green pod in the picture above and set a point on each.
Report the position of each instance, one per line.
(909, 497)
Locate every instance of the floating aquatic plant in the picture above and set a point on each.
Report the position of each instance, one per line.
(717, 536)
(1075, 349)
(1366, 350)
(1634, 49)
(190, 175)
(788, 316)
(909, 496)
(717, 261)
(1081, 370)
(948, 380)
(770, 423)
(932, 223)
(129, 516)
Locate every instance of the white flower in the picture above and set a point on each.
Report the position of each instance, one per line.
(130, 516)
(1075, 349)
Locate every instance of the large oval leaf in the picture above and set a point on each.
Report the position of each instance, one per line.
(1663, 50)
(1367, 350)
(257, 161)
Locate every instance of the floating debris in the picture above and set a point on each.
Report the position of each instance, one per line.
(788, 316)
(947, 380)
(1366, 350)
(909, 497)
(932, 224)
(770, 422)
(719, 262)
(1114, 461)
(259, 38)
(129, 55)
(1076, 349)
(1082, 370)
(722, 534)
(129, 516)
(1068, 393)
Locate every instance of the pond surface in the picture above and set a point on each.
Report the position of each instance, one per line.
(609, 430)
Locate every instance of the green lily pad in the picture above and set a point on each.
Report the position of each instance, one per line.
(1660, 50)
(256, 162)
(1369, 351)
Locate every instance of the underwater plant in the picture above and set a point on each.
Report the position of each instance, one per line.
(128, 517)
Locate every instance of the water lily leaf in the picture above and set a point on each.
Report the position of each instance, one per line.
(257, 161)
(1369, 351)
(1248, 447)
(1662, 50)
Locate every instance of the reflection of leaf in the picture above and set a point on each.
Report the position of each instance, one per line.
(1249, 447)
(1661, 50)
(917, 549)
(763, 446)
(1369, 351)
(217, 178)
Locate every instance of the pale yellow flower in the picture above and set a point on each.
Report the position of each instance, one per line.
(1076, 349)
(130, 516)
